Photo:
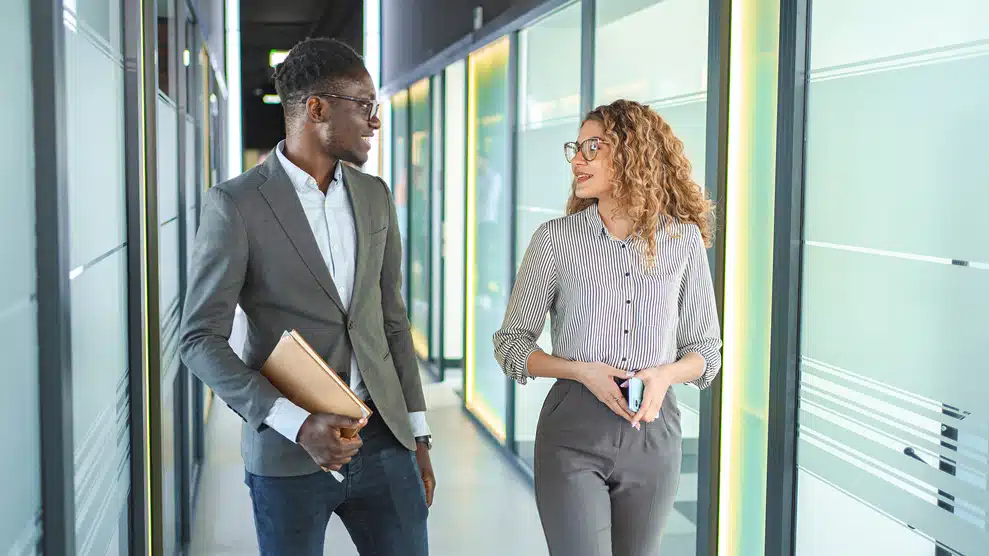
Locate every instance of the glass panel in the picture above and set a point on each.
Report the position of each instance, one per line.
(436, 222)
(893, 450)
(20, 477)
(655, 52)
(400, 170)
(489, 222)
(549, 116)
(454, 182)
(98, 280)
(419, 217)
(168, 302)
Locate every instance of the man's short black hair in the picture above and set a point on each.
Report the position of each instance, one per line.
(315, 65)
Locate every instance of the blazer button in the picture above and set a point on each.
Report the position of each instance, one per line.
(350, 325)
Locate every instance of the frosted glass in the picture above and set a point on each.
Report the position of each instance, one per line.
(168, 161)
(650, 50)
(20, 477)
(95, 122)
(168, 271)
(101, 411)
(893, 446)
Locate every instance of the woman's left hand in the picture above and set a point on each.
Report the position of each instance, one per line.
(655, 382)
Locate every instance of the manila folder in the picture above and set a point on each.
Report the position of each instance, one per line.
(303, 377)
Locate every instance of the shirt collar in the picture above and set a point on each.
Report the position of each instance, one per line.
(593, 218)
(300, 179)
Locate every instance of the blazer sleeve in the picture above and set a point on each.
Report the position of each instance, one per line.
(395, 314)
(217, 274)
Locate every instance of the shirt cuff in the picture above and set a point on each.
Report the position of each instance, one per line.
(286, 418)
(419, 425)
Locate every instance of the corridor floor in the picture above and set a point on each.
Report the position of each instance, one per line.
(483, 506)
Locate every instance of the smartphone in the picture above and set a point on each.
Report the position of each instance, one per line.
(635, 389)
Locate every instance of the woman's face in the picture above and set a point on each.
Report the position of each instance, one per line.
(591, 162)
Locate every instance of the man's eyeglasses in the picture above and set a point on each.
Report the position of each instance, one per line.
(588, 148)
(371, 105)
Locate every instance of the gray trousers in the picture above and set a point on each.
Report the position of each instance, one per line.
(602, 487)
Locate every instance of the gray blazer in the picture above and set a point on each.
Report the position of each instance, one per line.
(255, 247)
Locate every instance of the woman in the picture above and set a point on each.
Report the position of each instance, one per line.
(625, 279)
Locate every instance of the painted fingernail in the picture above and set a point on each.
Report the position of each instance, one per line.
(624, 384)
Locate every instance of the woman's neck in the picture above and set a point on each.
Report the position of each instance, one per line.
(616, 222)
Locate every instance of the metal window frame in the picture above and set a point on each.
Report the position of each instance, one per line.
(716, 172)
(781, 471)
(144, 358)
(54, 326)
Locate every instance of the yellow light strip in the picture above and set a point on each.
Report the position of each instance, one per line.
(470, 225)
(751, 158)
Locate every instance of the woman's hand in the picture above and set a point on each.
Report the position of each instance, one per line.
(599, 378)
(655, 381)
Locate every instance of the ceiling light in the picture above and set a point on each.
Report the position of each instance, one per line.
(271, 99)
(187, 58)
(276, 57)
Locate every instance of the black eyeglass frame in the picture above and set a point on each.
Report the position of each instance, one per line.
(579, 147)
(371, 105)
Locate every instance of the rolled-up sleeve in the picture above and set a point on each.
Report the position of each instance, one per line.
(531, 299)
(699, 330)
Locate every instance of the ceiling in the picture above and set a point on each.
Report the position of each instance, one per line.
(267, 25)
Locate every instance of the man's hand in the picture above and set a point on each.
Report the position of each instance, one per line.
(320, 436)
(426, 468)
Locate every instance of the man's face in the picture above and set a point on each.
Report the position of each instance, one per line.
(346, 131)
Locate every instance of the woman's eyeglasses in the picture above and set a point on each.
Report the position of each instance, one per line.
(371, 105)
(588, 148)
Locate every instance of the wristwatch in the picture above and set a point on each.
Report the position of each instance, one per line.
(425, 439)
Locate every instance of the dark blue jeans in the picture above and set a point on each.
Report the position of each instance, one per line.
(381, 501)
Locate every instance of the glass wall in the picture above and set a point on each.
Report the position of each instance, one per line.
(98, 286)
(436, 226)
(419, 210)
(20, 477)
(548, 116)
(656, 53)
(454, 186)
(400, 171)
(489, 229)
(893, 451)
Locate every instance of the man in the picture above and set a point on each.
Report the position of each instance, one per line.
(304, 241)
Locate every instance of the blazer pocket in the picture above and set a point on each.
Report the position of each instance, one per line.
(378, 236)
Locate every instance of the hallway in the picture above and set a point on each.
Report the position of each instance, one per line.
(483, 506)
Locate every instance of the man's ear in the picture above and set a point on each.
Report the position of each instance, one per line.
(316, 110)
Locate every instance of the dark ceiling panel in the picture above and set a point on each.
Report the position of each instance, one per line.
(267, 25)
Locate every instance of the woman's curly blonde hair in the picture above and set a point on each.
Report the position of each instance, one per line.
(651, 176)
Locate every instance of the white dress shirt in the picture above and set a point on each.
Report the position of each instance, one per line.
(331, 218)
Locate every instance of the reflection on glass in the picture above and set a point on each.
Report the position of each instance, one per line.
(893, 446)
(655, 52)
(400, 170)
(419, 217)
(488, 230)
(549, 115)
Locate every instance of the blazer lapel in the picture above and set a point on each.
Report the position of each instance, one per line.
(278, 191)
(362, 220)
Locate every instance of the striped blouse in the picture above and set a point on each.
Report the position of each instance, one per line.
(605, 305)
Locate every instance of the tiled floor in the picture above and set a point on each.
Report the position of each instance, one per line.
(482, 506)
